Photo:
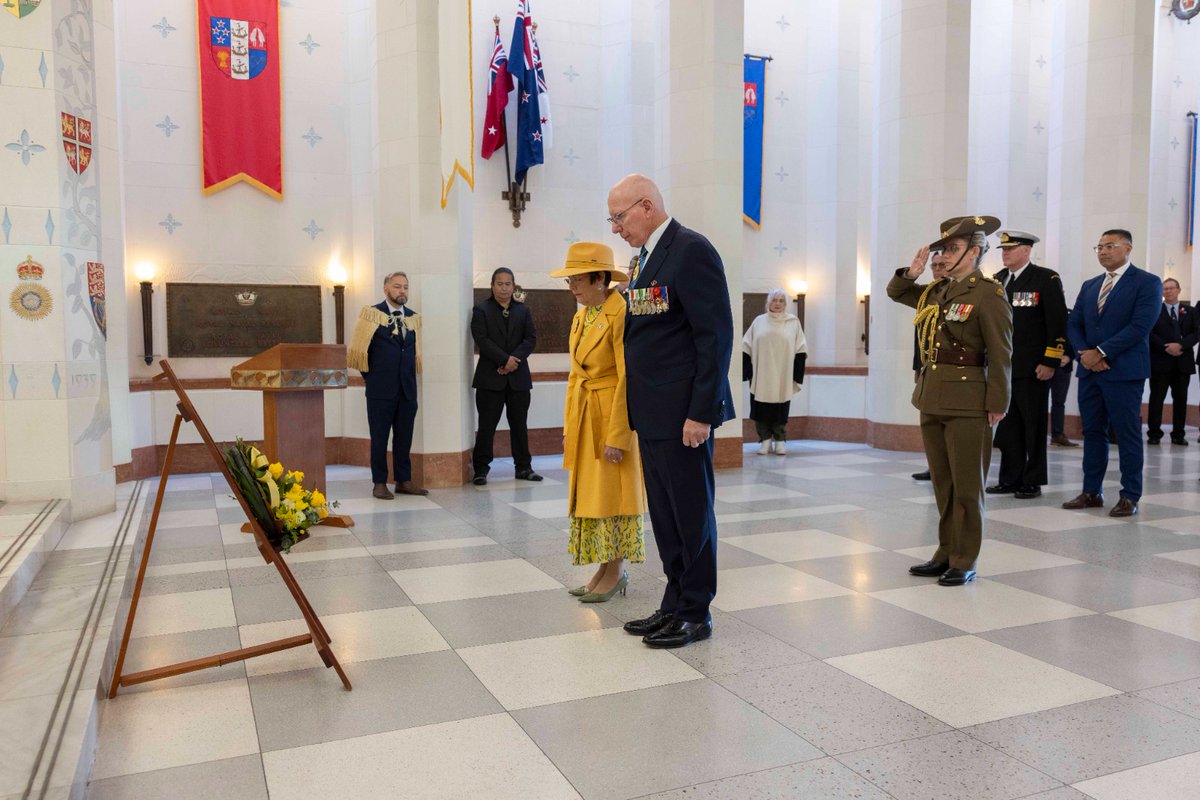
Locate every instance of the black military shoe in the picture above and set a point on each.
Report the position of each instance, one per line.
(921, 476)
(930, 569)
(1028, 492)
(1001, 488)
(956, 577)
(678, 634)
(651, 624)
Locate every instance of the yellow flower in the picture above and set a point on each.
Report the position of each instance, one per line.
(276, 470)
(317, 498)
(295, 493)
(296, 475)
(322, 512)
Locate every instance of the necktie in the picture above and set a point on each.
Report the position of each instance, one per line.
(641, 263)
(1173, 317)
(1104, 290)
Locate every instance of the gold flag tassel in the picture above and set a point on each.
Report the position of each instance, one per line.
(369, 319)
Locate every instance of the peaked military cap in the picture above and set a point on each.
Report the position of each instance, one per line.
(1012, 238)
(956, 227)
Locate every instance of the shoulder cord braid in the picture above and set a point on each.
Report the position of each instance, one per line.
(926, 322)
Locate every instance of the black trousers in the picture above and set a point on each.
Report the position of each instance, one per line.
(489, 404)
(1160, 382)
(1060, 387)
(680, 488)
(392, 418)
(1021, 435)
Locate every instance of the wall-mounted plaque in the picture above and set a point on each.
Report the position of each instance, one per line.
(753, 304)
(206, 320)
(552, 312)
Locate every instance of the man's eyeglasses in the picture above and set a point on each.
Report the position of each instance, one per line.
(1104, 248)
(618, 219)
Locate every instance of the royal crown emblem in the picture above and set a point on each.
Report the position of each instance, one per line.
(238, 46)
(30, 270)
(246, 297)
(77, 141)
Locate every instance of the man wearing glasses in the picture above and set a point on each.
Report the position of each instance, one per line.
(678, 341)
(1109, 328)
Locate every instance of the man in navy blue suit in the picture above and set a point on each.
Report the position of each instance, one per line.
(387, 332)
(1172, 364)
(1109, 328)
(678, 341)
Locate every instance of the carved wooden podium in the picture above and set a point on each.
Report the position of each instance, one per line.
(293, 379)
(316, 635)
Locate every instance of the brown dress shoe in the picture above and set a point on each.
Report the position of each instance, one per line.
(1085, 500)
(1062, 441)
(1124, 508)
(381, 492)
(407, 487)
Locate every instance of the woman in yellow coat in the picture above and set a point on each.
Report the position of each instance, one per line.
(607, 497)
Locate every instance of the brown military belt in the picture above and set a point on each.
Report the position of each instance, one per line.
(960, 358)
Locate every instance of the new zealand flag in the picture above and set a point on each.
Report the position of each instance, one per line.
(529, 118)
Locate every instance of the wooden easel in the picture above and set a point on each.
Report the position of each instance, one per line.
(316, 635)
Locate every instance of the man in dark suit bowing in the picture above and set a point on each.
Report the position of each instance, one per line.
(385, 348)
(1172, 364)
(502, 328)
(1110, 331)
(1039, 314)
(678, 342)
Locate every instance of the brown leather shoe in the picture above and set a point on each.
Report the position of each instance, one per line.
(1085, 500)
(407, 487)
(381, 492)
(1062, 441)
(1124, 508)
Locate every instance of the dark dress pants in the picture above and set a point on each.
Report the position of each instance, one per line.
(1021, 435)
(680, 488)
(1117, 404)
(394, 418)
(1160, 382)
(490, 404)
(1060, 387)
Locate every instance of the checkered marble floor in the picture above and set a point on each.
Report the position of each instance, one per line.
(1070, 669)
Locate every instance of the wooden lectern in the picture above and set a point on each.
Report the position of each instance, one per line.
(293, 378)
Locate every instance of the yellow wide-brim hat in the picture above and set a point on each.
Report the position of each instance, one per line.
(585, 257)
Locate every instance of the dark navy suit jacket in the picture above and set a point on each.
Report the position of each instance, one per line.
(1186, 332)
(677, 362)
(1123, 330)
(392, 362)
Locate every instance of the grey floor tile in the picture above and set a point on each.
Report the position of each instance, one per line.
(836, 712)
(177, 538)
(729, 557)
(1097, 588)
(271, 602)
(823, 779)
(1183, 697)
(697, 731)
(1114, 652)
(188, 501)
(1063, 793)
(420, 523)
(864, 572)
(305, 571)
(1094, 738)
(838, 626)
(442, 558)
(188, 582)
(1159, 569)
(292, 709)
(736, 647)
(882, 529)
(151, 652)
(230, 779)
(1097, 545)
(187, 553)
(947, 765)
(507, 618)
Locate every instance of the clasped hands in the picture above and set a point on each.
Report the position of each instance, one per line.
(1174, 349)
(509, 366)
(1093, 361)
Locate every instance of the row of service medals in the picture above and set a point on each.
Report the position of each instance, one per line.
(958, 312)
(1025, 299)
(651, 300)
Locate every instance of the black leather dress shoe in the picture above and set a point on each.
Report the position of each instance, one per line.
(678, 634)
(528, 475)
(930, 569)
(956, 577)
(1028, 492)
(1001, 488)
(651, 624)
(479, 480)
(921, 476)
(1154, 441)
(1124, 508)
(1182, 442)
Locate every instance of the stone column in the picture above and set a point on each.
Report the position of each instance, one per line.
(415, 234)
(56, 414)
(697, 116)
(920, 163)
(1099, 131)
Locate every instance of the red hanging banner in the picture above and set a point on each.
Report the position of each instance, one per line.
(240, 112)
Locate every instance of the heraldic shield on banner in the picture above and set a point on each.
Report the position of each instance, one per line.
(95, 280)
(239, 46)
(1185, 9)
(20, 8)
(77, 141)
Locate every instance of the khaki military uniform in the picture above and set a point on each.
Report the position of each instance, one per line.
(965, 332)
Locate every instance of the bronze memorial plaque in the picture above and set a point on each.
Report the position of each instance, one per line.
(552, 312)
(233, 319)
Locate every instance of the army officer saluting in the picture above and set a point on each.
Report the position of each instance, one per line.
(964, 327)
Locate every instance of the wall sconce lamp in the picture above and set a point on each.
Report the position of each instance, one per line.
(337, 274)
(866, 336)
(145, 275)
(800, 290)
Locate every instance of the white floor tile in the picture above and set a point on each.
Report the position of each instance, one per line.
(555, 508)
(818, 472)
(1185, 500)
(922, 500)
(436, 544)
(146, 731)
(1181, 618)
(188, 519)
(997, 558)
(791, 513)
(571, 667)
(981, 605)
(786, 546)
(186, 611)
(1177, 777)
(482, 757)
(1184, 556)
(839, 459)
(358, 636)
(1050, 520)
(1185, 525)
(753, 492)
(189, 483)
(370, 505)
(966, 680)
(769, 585)
(463, 581)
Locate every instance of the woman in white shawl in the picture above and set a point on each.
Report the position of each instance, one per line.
(773, 356)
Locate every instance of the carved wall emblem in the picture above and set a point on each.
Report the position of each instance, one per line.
(30, 300)
(77, 141)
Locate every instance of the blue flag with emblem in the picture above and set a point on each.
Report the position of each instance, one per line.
(754, 71)
(529, 118)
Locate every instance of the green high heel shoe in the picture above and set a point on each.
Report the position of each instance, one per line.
(596, 597)
(578, 591)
